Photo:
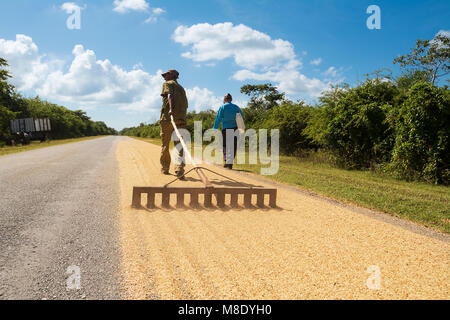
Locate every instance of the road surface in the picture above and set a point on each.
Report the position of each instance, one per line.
(70, 206)
(59, 208)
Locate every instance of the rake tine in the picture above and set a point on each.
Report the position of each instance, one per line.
(220, 195)
(166, 199)
(273, 199)
(234, 199)
(208, 199)
(136, 198)
(150, 200)
(194, 199)
(248, 199)
(260, 199)
(180, 200)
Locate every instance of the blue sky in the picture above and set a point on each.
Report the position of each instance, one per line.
(110, 67)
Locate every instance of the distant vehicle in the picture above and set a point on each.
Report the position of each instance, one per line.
(26, 130)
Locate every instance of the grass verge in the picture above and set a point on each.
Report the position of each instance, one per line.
(37, 145)
(422, 203)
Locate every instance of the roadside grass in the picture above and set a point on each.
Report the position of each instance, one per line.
(422, 203)
(38, 145)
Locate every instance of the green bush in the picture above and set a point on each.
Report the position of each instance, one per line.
(352, 124)
(291, 119)
(5, 117)
(206, 117)
(422, 145)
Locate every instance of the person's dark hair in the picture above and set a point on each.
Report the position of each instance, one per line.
(228, 97)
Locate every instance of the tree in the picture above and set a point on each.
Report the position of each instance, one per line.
(263, 97)
(411, 77)
(206, 117)
(6, 89)
(351, 123)
(322, 114)
(431, 57)
(422, 146)
(291, 119)
(4, 74)
(6, 92)
(5, 117)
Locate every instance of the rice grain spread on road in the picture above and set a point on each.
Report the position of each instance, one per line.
(309, 248)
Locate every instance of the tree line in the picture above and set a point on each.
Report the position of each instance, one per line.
(397, 124)
(65, 123)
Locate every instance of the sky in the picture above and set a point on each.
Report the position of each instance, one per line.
(109, 61)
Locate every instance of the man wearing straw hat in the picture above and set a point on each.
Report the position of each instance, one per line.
(175, 104)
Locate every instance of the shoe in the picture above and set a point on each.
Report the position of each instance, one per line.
(165, 172)
(180, 175)
(229, 166)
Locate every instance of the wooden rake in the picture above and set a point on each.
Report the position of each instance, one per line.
(206, 193)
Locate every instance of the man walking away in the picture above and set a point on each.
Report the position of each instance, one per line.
(175, 104)
(227, 117)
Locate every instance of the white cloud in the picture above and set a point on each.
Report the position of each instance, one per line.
(93, 82)
(124, 6)
(88, 82)
(445, 33)
(156, 12)
(334, 75)
(27, 66)
(290, 81)
(248, 47)
(202, 99)
(261, 57)
(70, 7)
(331, 71)
(442, 33)
(316, 62)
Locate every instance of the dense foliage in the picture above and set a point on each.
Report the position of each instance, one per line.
(143, 131)
(65, 123)
(352, 123)
(422, 146)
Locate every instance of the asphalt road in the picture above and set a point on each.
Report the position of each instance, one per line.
(58, 209)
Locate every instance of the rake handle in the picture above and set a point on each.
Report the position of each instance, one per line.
(198, 170)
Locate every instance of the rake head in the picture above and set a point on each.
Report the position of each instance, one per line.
(222, 195)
